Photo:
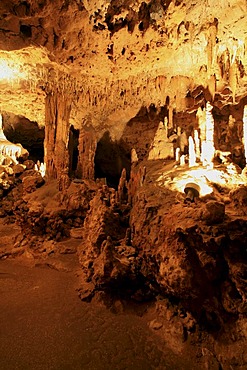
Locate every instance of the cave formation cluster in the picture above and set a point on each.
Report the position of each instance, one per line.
(111, 96)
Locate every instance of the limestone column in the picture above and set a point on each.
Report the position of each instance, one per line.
(87, 148)
(57, 113)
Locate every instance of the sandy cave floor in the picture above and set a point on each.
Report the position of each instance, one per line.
(44, 325)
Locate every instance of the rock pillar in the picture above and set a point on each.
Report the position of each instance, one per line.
(87, 148)
(57, 114)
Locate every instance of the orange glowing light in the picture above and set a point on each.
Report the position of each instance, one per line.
(204, 177)
(9, 70)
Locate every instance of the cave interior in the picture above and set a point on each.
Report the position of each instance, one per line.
(124, 127)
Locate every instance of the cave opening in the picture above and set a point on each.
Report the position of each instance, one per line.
(20, 130)
(73, 150)
(110, 159)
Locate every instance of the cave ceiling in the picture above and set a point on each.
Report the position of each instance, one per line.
(113, 56)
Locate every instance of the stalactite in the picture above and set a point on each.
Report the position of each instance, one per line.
(212, 34)
(233, 79)
(212, 85)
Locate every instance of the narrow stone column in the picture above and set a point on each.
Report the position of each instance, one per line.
(57, 115)
(87, 148)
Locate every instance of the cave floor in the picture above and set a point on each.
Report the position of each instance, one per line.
(44, 325)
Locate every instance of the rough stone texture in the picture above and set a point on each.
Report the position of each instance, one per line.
(31, 181)
(86, 153)
(56, 135)
(48, 214)
(98, 55)
(102, 263)
(186, 256)
(239, 198)
(113, 70)
(213, 212)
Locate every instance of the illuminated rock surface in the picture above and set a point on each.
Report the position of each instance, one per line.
(138, 111)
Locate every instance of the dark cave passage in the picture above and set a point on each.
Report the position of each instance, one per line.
(73, 150)
(19, 129)
(110, 159)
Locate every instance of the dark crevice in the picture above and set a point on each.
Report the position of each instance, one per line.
(110, 159)
(73, 150)
(26, 31)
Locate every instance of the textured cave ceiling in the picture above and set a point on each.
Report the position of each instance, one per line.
(115, 56)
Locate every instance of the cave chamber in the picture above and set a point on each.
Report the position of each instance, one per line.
(136, 112)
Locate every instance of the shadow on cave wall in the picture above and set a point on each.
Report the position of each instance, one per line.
(112, 156)
(140, 130)
(19, 129)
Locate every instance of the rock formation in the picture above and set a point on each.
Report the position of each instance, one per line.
(142, 108)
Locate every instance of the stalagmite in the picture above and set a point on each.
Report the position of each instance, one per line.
(177, 154)
(122, 193)
(41, 168)
(197, 144)
(134, 157)
(207, 152)
(182, 160)
(86, 152)
(192, 153)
